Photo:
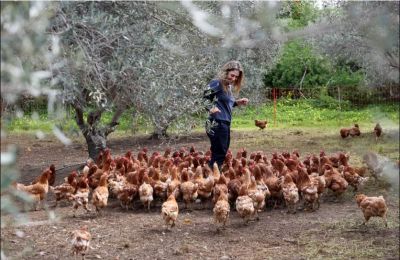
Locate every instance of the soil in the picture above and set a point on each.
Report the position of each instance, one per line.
(333, 231)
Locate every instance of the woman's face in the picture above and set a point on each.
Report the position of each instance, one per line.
(232, 76)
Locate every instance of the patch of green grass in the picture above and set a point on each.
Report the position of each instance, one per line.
(289, 113)
(304, 113)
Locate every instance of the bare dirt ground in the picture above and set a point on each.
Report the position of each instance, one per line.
(332, 232)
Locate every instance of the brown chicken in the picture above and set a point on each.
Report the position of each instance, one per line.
(354, 180)
(372, 207)
(335, 181)
(100, 194)
(146, 193)
(51, 177)
(37, 191)
(221, 209)
(261, 124)
(206, 185)
(170, 211)
(257, 195)
(344, 132)
(220, 186)
(188, 189)
(377, 131)
(127, 194)
(308, 189)
(174, 183)
(290, 193)
(355, 131)
(244, 205)
(80, 240)
(65, 190)
(81, 197)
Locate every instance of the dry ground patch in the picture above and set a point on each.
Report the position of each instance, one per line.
(332, 232)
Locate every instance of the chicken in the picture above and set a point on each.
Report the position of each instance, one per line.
(372, 207)
(188, 188)
(257, 195)
(308, 189)
(220, 186)
(80, 240)
(377, 131)
(81, 197)
(354, 180)
(320, 182)
(100, 194)
(170, 210)
(355, 131)
(344, 132)
(205, 184)
(37, 191)
(174, 183)
(290, 193)
(335, 181)
(51, 177)
(146, 192)
(233, 186)
(244, 205)
(65, 190)
(127, 194)
(160, 187)
(261, 123)
(221, 209)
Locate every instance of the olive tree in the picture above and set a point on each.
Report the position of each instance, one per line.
(364, 32)
(152, 58)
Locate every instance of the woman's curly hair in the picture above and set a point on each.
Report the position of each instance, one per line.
(223, 73)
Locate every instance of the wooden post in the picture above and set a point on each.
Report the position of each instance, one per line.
(274, 96)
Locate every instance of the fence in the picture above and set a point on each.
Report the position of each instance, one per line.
(358, 96)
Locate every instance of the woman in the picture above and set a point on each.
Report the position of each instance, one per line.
(220, 94)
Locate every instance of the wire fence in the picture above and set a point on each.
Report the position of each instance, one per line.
(357, 96)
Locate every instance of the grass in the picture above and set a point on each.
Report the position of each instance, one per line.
(289, 113)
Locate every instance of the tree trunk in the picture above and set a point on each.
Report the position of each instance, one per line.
(95, 136)
(96, 141)
(159, 134)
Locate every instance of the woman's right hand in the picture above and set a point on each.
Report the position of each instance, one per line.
(214, 110)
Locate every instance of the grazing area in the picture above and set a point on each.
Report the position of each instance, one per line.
(114, 112)
(334, 230)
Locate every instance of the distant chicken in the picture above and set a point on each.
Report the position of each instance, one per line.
(261, 123)
(344, 132)
(80, 240)
(244, 205)
(100, 194)
(355, 131)
(221, 209)
(377, 131)
(170, 211)
(372, 207)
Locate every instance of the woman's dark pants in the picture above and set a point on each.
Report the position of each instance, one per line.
(220, 137)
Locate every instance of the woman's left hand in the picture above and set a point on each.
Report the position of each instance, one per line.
(242, 101)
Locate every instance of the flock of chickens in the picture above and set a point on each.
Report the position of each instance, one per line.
(244, 183)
